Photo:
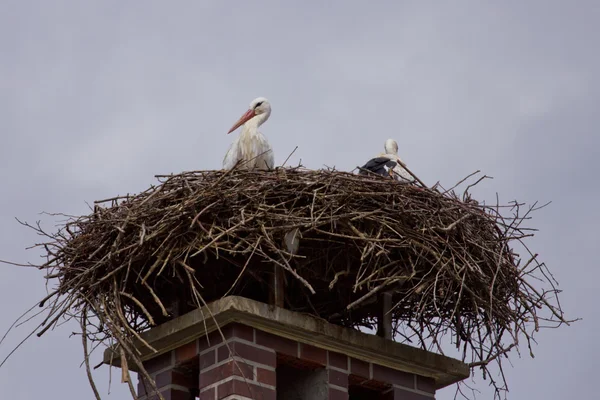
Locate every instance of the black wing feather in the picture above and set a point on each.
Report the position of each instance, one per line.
(377, 165)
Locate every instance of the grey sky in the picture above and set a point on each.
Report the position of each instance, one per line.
(96, 97)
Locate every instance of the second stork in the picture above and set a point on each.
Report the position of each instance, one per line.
(388, 164)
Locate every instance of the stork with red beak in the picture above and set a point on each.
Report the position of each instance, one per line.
(251, 148)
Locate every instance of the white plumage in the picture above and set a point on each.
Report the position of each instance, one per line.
(251, 147)
(391, 148)
(388, 163)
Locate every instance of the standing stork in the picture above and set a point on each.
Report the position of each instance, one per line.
(251, 147)
(388, 164)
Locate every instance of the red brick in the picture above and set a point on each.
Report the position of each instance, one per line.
(211, 340)
(208, 394)
(178, 395)
(400, 394)
(159, 362)
(265, 376)
(338, 360)
(248, 352)
(186, 352)
(224, 371)
(240, 331)
(335, 394)
(246, 389)
(360, 368)
(207, 359)
(426, 384)
(277, 343)
(314, 354)
(338, 378)
(388, 375)
(172, 377)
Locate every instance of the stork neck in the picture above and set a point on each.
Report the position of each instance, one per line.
(252, 125)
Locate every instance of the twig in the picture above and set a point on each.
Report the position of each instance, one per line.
(202, 235)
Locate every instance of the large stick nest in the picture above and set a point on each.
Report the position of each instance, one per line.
(137, 261)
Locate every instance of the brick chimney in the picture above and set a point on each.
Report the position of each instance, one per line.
(237, 348)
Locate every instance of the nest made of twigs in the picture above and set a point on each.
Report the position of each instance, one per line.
(137, 261)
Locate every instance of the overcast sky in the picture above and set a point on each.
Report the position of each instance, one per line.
(96, 97)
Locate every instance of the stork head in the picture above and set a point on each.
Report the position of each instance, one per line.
(391, 147)
(259, 106)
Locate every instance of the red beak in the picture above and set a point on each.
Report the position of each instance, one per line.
(247, 116)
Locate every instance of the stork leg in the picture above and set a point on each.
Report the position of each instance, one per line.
(384, 319)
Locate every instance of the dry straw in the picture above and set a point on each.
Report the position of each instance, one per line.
(137, 261)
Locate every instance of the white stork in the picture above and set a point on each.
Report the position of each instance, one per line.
(391, 160)
(251, 147)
